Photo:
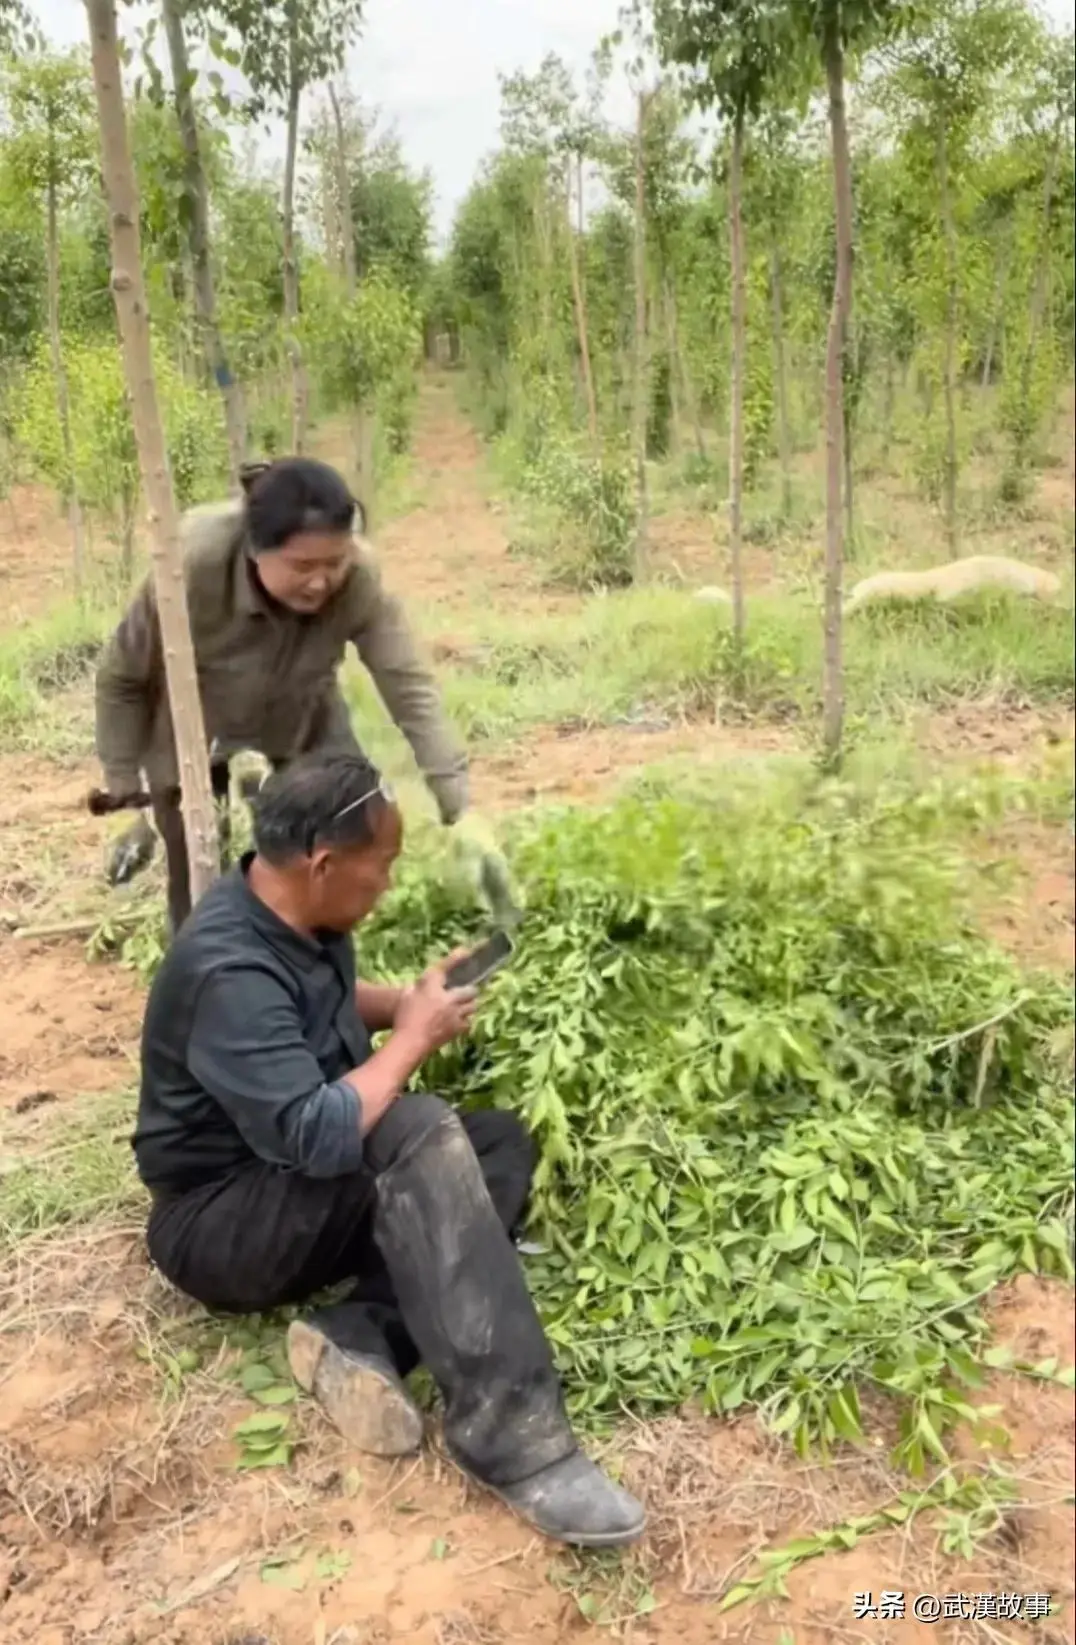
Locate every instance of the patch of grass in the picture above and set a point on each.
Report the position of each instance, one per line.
(401, 487)
(623, 658)
(953, 805)
(657, 655)
(53, 654)
(87, 1173)
(988, 645)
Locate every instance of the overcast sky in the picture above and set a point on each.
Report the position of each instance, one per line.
(431, 68)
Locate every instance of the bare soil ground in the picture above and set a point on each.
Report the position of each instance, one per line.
(123, 1519)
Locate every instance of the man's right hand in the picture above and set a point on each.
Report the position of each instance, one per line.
(430, 1015)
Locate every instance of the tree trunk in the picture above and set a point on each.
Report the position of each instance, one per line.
(580, 302)
(888, 405)
(59, 376)
(205, 302)
(191, 370)
(780, 373)
(1038, 304)
(833, 665)
(363, 431)
(343, 197)
(850, 386)
(739, 350)
(165, 547)
(668, 307)
(544, 239)
(363, 420)
(949, 234)
(687, 386)
(330, 218)
(127, 527)
(640, 373)
(1001, 270)
(299, 387)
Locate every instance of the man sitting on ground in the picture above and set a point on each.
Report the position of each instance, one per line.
(285, 1155)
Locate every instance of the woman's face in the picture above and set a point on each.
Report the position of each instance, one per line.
(307, 570)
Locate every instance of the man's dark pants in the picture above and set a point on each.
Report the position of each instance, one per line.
(424, 1231)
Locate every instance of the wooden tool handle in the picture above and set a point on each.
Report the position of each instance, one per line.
(100, 803)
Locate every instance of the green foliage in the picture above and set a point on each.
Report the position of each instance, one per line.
(648, 658)
(105, 458)
(105, 455)
(264, 1441)
(660, 411)
(44, 658)
(758, 408)
(250, 285)
(364, 344)
(1001, 305)
(47, 106)
(19, 28)
(85, 1173)
(391, 208)
(782, 1162)
(738, 51)
(396, 407)
(22, 278)
(86, 305)
(160, 167)
(588, 504)
(194, 432)
(976, 1503)
(782, 1159)
(279, 47)
(1029, 390)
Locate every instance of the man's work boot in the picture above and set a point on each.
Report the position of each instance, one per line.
(361, 1394)
(574, 1502)
(463, 1298)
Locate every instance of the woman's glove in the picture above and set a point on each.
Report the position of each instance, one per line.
(481, 863)
(130, 851)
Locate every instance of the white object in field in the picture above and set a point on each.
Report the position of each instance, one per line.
(712, 595)
(949, 582)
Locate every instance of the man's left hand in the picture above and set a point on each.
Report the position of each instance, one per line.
(485, 867)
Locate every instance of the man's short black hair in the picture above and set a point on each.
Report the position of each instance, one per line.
(292, 495)
(321, 800)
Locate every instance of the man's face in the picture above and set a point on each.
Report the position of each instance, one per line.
(346, 886)
(308, 570)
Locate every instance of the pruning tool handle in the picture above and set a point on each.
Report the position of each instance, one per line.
(100, 803)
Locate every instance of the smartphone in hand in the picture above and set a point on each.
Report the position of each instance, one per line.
(481, 963)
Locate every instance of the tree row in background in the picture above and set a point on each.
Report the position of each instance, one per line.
(669, 290)
(276, 296)
(846, 217)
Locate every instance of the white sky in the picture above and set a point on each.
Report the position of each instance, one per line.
(431, 68)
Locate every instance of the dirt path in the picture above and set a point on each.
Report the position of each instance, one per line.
(450, 554)
(124, 1522)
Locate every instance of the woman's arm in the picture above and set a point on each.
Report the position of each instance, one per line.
(387, 647)
(128, 677)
